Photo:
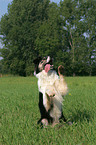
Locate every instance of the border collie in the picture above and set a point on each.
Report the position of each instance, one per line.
(52, 88)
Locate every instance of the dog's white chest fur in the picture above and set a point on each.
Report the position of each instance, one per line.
(46, 79)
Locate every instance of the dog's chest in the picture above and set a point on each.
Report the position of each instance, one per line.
(45, 79)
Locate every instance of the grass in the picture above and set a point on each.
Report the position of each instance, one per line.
(19, 113)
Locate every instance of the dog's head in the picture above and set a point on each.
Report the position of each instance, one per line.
(40, 63)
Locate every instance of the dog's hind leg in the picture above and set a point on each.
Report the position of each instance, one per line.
(44, 114)
(41, 107)
(63, 118)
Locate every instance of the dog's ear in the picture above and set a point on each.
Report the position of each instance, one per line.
(37, 60)
(49, 60)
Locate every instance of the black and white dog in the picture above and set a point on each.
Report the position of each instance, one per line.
(51, 89)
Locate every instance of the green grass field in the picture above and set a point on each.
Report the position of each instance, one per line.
(19, 113)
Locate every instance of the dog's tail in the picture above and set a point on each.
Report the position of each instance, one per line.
(61, 83)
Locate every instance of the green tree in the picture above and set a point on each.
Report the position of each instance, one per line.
(20, 29)
(48, 39)
(67, 32)
(73, 13)
(89, 16)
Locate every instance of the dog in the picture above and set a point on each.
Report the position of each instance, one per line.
(52, 88)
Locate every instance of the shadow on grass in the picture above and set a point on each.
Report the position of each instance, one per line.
(81, 116)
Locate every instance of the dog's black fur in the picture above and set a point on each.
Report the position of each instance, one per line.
(44, 114)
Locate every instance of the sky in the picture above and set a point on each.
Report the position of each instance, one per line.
(3, 6)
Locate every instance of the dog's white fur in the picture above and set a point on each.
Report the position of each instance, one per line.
(50, 84)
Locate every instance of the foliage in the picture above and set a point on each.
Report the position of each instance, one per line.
(78, 19)
(67, 32)
(19, 113)
(19, 29)
(48, 41)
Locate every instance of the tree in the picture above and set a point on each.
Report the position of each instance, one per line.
(20, 29)
(67, 32)
(89, 17)
(48, 39)
(73, 13)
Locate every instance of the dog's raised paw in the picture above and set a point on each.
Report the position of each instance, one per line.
(61, 70)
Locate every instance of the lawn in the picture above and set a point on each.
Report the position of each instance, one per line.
(19, 113)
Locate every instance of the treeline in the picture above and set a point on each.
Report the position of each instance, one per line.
(66, 32)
